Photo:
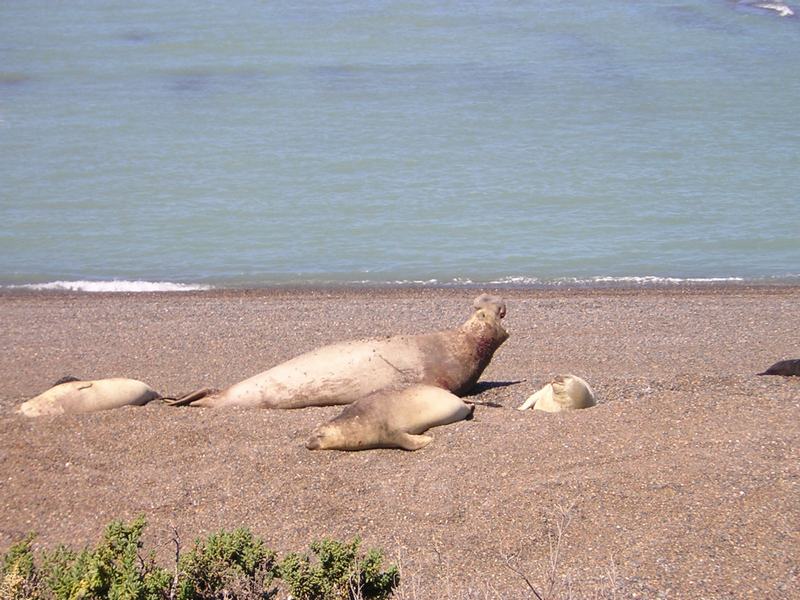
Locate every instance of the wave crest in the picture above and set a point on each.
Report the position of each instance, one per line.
(113, 286)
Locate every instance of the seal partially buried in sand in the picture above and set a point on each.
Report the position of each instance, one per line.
(76, 396)
(786, 368)
(564, 392)
(391, 419)
(342, 373)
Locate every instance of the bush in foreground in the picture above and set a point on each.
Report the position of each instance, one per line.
(226, 565)
(339, 572)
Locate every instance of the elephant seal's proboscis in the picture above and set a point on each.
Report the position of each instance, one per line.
(345, 372)
(76, 396)
(391, 419)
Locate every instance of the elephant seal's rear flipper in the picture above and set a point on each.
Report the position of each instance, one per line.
(189, 398)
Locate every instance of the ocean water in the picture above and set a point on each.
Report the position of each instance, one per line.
(257, 143)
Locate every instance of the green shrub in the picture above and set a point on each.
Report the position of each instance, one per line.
(338, 573)
(63, 571)
(19, 573)
(114, 570)
(227, 565)
(233, 565)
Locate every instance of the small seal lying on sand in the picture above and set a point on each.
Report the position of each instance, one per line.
(391, 419)
(71, 395)
(342, 373)
(784, 367)
(564, 392)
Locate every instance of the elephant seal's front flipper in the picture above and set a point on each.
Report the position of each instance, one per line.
(410, 442)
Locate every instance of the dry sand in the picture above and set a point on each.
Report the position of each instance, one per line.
(684, 481)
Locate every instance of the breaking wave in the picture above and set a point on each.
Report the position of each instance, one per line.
(560, 281)
(113, 286)
(600, 281)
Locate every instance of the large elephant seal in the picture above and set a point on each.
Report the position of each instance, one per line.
(342, 373)
(75, 396)
(564, 392)
(391, 419)
(784, 367)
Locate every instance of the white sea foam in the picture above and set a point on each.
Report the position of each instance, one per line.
(607, 279)
(113, 286)
(510, 281)
(781, 8)
(652, 279)
(522, 281)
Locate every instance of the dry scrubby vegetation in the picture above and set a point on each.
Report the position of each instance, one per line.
(236, 565)
(551, 582)
(226, 565)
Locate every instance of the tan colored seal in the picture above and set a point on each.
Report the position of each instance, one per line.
(564, 392)
(77, 396)
(342, 373)
(391, 419)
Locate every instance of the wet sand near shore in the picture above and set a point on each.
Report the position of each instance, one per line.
(684, 482)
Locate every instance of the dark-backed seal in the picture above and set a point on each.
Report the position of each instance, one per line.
(391, 419)
(564, 392)
(75, 396)
(342, 373)
(785, 368)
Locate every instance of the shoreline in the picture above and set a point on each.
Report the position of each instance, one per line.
(509, 283)
(395, 288)
(686, 474)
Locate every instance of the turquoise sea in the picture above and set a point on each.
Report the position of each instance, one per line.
(149, 144)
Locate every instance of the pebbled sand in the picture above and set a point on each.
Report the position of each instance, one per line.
(684, 482)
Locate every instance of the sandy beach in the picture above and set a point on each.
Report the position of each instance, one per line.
(684, 482)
